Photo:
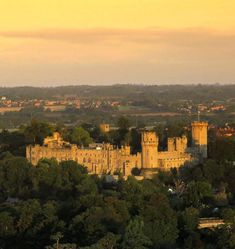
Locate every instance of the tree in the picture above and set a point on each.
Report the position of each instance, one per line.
(62, 246)
(13, 142)
(197, 193)
(134, 236)
(135, 141)
(87, 228)
(189, 220)
(37, 131)
(123, 123)
(7, 229)
(14, 176)
(6, 225)
(80, 137)
(107, 242)
(135, 192)
(116, 214)
(223, 149)
(213, 172)
(225, 237)
(160, 222)
(57, 237)
(122, 135)
(228, 215)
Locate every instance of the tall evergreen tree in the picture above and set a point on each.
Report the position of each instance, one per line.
(134, 236)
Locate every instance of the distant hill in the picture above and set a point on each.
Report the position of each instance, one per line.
(197, 93)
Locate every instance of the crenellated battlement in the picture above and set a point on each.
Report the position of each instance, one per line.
(106, 158)
(199, 137)
(149, 138)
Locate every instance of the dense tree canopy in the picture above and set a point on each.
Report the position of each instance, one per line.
(59, 205)
(80, 136)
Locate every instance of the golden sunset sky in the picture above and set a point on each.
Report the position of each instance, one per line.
(59, 42)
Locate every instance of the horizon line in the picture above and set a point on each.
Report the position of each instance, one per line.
(117, 84)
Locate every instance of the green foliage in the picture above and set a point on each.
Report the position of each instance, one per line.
(135, 141)
(107, 242)
(14, 180)
(197, 193)
(228, 214)
(160, 222)
(58, 205)
(189, 220)
(122, 135)
(134, 236)
(62, 246)
(80, 136)
(37, 131)
(7, 228)
(223, 149)
(226, 238)
(13, 142)
(123, 123)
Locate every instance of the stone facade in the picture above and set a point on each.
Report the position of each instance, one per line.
(199, 137)
(98, 158)
(104, 128)
(108, 159)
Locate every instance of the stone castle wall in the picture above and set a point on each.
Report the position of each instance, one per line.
(107, 159)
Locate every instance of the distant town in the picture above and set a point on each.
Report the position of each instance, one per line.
(148, 105)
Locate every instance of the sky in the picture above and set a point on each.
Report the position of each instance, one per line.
(68, 42)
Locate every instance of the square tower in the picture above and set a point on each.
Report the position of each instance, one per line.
(199, 137)
(104, 128)
(149, 143)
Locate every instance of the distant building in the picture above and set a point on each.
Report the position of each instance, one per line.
(108, 159)
(55, 108)
(218, 108)
(210, 223)
(104, 128)
(225, 132)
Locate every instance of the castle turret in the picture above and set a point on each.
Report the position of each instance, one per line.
(149, 142)
(181, 144)
(199, 137)
(171, 144)
(184, 141)
(126, 150)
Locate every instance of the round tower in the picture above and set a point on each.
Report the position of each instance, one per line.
(149, 143)
(199, 137)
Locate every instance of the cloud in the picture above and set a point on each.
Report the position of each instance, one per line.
(149, 35)
(118, 55)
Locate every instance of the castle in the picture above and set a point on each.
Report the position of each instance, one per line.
(108, 159)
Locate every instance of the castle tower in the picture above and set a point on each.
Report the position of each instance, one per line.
(171, 144)
(184, 141)
(104, 128)
(149, 143)
(181, 144)
(199, 137)
(126, 150)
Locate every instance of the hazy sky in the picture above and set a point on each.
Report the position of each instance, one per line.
(59, 42)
